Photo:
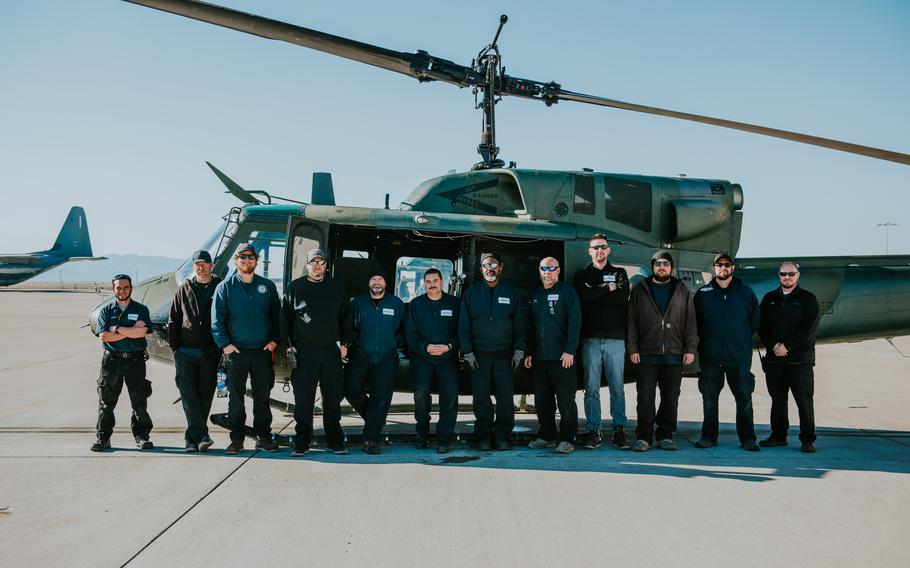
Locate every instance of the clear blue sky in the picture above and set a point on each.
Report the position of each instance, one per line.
(115, 107)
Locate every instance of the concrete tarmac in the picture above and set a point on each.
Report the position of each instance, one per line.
(61, 505)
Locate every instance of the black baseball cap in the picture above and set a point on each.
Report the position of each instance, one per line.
(723, 256)
(246, 248)
(202, 256)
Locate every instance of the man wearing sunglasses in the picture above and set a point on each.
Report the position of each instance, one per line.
(789, 318)
(661, 338)
(122, 327)
(492, 334)
(604, 292)
(245, 325)
(313, 312)
(555, 324)
(727, 313)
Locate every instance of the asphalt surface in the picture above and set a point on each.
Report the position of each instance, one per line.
(61, 505)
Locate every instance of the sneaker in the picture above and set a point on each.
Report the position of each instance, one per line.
(371, 448)
(442, 449)
(421, 443)
(770, 442)
(299, 451)
(144, 444)
(667, 444)
(205, 444)
(339, 450)
(641, 446)
(704, 443)
(234, 448)
(485, 445)
(503, 445)
(807, 448)
(565, 448)
(266, 444)
(620, 440)
(593, 440)
(540, 443)
(750, 446)
(190, 447)
(101, 444)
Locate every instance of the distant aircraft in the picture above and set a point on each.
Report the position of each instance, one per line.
(72, 244)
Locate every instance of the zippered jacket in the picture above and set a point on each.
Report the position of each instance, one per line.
(246, 315)
(493, 320)
(603, 311)
(727, 319)
(555, 316)
(650, 333)
(189, 323)
(791, 320)
(376, 329)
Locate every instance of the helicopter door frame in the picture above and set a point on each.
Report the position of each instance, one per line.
(308, 228)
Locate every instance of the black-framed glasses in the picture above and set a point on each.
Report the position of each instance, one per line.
(600, 247)
(246, 256)
(549, 268)
(790, 274)
(662, 263)
(723, 264)
(490, 265)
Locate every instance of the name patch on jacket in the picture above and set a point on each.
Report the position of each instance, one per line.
(504, 300)
(388, 311)
(445, 313)
(707, 288)
(552, 297)
(609, 278)
(132, 317)
(262, 289)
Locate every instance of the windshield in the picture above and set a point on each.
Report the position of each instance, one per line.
(210, 244)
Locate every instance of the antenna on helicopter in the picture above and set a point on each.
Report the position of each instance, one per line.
(488, 64)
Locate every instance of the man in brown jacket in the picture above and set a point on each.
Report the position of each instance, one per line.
(662, 336)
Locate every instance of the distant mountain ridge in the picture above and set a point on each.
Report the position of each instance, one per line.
(138, 266)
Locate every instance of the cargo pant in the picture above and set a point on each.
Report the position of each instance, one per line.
(116, 369)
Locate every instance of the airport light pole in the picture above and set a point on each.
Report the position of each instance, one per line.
(887, 225)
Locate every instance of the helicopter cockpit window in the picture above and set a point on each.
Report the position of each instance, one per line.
(214, 245)
(409, 276)
(270, 245)
(628, 202)
(584, 195)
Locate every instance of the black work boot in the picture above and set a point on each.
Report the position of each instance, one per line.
(266, 444)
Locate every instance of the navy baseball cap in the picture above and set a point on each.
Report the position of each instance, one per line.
(246, 248)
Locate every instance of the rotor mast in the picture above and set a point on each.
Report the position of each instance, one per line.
(489, 65)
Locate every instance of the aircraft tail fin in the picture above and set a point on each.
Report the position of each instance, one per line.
(73, 239)
(323, 192)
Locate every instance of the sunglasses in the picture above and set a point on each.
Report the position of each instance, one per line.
(662, 263)
(490, 265)
(723, 264)
(246, 256)
(600, 247)
(317, 262)
(790, 274)
(549, 268)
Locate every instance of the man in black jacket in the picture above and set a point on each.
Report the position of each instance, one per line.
(604, 293)
(375, 326)
(432, 333)
(727, 314)
(492, 331)
(661, 338)
(312, 316)
(555, 315)
(789, 318)
(196, 357)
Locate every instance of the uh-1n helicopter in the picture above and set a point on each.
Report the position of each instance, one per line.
(521, 214)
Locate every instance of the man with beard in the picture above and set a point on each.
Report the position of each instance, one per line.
(313, 313)
(374, 326)
(432, 333)
(789, 318)
(727, 314)
(555, 315)
(122, 326)
(196, 357)
(245, 325)
(604, 292)
(492, 331)
(661, 338)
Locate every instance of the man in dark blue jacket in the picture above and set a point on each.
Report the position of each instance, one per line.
(492, 332)
(432, 332)
(245, 325)
(727, 313)
(555, 316)
(374, 331)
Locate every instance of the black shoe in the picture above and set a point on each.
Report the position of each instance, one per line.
(593, 440)
(750, 446)
(442, 449)
(371, 448)
(266, 444)
(299, 451)
(485, 445)
(421, 443)
(339, 450)
(144, 444)
(101, 444)
(619, 439)
(503, 445)
(234, 448)
(770, 442)
(705, 442)
(190, 448)
(205, 444)
(807, 448)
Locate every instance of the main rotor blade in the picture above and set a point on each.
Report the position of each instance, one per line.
(420, 65)
(787, 135)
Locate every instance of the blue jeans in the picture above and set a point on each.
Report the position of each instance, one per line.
(609, 354)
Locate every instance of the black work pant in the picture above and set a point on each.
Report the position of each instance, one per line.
(667, 378)
(115, 371)
(322, 366)
(445, 374)
(494, 375)
(782, 378)
(379, 376)
(552, 381)
(742, 384)
(257, 365)
(196, 379)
